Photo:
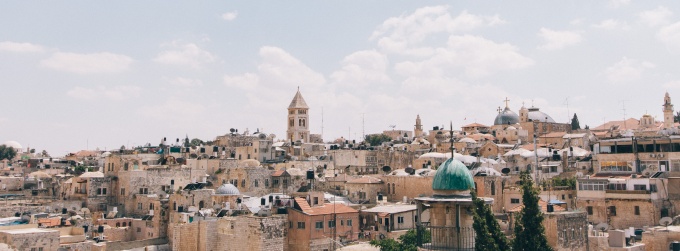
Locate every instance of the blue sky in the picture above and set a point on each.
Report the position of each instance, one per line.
(78, 74)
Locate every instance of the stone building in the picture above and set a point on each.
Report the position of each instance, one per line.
(566, 231)
(364, 190)
(320, 227)
(240, 233)
(389, 221)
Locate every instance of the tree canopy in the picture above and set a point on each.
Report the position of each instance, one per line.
(7, 152)
(574, 123)
(377, 139)
(529, 230)
(407, 242)
(488, 233)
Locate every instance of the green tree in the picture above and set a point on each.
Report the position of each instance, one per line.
(676, 117)
(407, 242)
(7, 152)
(196, 142)
(529, 230)
(377, 139)
(488, 233)
(574, 123)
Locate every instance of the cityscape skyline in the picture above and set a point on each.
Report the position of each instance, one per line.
(131, 76)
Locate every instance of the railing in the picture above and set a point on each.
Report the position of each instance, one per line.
(445, 238)
(629, 191)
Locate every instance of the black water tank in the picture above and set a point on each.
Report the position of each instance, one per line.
(238, 200)
(380, 197)
(263, 201)
(64, 210)
(100, 229)
(550, 208)
(675, 246)
(85, 228)
(271, 198)
(180, 209)
(310, 174)
(282, 210)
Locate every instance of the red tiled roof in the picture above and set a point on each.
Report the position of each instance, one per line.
(278, 173)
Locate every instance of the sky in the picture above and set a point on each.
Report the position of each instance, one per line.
(98, 75)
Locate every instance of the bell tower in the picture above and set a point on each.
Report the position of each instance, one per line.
(418, 130)
(298, 119)
(667, 112)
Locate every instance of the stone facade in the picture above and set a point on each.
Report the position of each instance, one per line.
(566, 231)
(28, 238)
(231, 233)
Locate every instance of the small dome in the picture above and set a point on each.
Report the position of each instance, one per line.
(106, 154)
(13, 144)
(506, 117)
(511, 128)
(453, 175)
(227, 189)
(468, 140)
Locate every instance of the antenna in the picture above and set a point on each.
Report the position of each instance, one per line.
(566, 101)
(322, 123)
(602, 227)
(363, 127)
(624, 113)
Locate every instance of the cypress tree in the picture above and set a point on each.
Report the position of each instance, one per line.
(529, 230)
(488, 233)
(574, 123)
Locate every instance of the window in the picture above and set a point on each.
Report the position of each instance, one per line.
(122, 191)
(493, 188)
(319, 225)
(514, 201)
(139, 206)
(290, 224)
(589, 209)
(639, 187)
(637, 210)
(616, 187)
(256, 183)
(266, 182)
(139, 230)
(612, 210)
(316, 200)
(301, 225)
(103, 191)
(275, 183)
(594, 185)
(150, 206)
(563, 197)
(243, 183)
(349, 223)
(616, 166)
(143, 190)
(400, 219)
(331, 224)
(652, 188)
(125, 166)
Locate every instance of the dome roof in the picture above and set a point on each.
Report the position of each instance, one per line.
(453, 175)
(535, 115)
(13, 144)
(227, 189)
(506, 117)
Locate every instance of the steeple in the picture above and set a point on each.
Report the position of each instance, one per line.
(298, 118)
(667, 111)
(418, 130)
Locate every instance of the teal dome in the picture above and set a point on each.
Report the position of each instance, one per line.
(453, 175)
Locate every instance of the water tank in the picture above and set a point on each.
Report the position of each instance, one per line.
(550, 208)
(675, 246)
(380, 197)
(100, 229)
(64, 210)
(310, 174)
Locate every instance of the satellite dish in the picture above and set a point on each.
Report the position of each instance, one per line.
(505, 170)
(665, 221)
(602, 227)
(262, 136)
(232, 130)
(386, 169)
(272, 135)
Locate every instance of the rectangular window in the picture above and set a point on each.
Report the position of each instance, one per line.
(301, 225)
(637, 210)
(104, 191)
(319, 225)
(139, 206)
(590, 210)
(122, 191)
(639, 187)
(143, 190)
(400, 219)
(266, 182)
(331, 224)
(349, 223)
(514, 201)
(612, 210)
(652, 188)
(139, 230)
(290, 224)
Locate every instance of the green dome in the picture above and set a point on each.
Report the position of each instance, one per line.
(453, 175)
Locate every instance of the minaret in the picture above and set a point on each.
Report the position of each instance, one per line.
(418, 131)
(667, 111)
(298, 119)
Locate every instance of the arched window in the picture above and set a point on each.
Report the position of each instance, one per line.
(493, 187)
(388, 188)
(394, 191)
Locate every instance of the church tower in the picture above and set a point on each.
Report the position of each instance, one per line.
(667, 112)
(523, 114)
(418, 131)
(298, 119)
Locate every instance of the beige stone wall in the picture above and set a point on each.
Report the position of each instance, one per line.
(659, 239)
(409, 186)
(370, 190)
(257, 180)
(11, 183)
(46, 239)
(625, 212)
(243, 233)
(566, 231)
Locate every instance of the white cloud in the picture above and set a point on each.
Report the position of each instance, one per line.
(230, 15)
(403, 34)
(116, 93)
(103, 62)
(576, 22)
(362, 68)
(627, 70)
(184, 55)
(246, 81)
(20, 47)
(555, 40)
(659, 16)
(279, 67)
(612, 24)
(475, 56)
(670, 35)
(185, 82)
(617, 3)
